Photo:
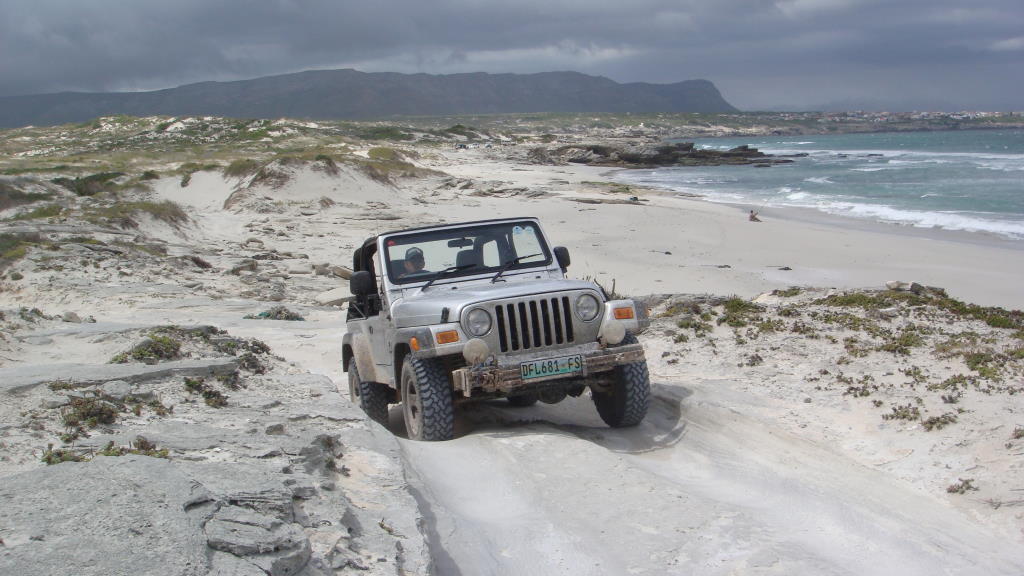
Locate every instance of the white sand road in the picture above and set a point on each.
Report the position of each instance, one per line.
(698, 488)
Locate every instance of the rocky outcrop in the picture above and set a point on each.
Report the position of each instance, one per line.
(643, 156)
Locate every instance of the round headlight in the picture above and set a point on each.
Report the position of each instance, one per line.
(587, 307)
(478, 322)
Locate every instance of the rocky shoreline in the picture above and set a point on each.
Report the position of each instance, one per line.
(646, 156)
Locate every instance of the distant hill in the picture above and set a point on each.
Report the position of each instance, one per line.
(350, 94)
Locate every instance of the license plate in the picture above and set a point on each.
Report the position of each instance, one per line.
(551, 367)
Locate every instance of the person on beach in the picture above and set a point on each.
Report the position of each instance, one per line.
(753, 217)
(414, 262)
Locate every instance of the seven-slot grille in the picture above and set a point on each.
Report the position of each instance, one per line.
(534, 323)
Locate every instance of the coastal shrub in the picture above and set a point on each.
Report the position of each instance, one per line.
(150, 175)
(737, 312)
(212, 397)
(384, 133)
(903, 412)
(275, 313)
(461, 130)
(88, 413)
(10, 196)
(140, 446)
(241, 168)
(700, 328)
(938, 422)
(123, 214)
(1018, 433)
(961, 486)
(53, 455)
(902, 343)
(154, 348)
(14, 247)
(384, 153)
(992, 316)
(787, 293)
(89, 185)
(47, 211)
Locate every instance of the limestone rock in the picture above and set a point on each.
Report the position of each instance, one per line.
(71, 317)
(113, 515)
(247, 265)
(334, 297)
(341, 272)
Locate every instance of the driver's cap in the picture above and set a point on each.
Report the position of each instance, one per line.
(414, 253)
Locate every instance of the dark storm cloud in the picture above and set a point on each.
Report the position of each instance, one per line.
(783, 53)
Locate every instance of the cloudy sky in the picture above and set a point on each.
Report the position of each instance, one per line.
(780, 54)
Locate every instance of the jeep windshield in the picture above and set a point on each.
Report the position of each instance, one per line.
(442, 254)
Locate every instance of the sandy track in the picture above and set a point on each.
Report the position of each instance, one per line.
(699, 488)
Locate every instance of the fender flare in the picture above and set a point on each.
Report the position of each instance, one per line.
(356, 348)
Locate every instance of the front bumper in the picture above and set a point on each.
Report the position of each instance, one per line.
(505, 377)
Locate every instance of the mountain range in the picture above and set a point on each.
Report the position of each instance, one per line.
(354, 95)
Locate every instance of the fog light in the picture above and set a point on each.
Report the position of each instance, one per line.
(476, 351)
(613, 332)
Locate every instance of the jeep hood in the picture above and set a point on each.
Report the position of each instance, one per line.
(424, 308)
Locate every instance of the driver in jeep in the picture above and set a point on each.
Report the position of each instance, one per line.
(413, 261)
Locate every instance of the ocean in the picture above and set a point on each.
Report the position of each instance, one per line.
(957, 180)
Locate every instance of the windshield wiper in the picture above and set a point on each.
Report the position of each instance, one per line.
(509, 264)
(446, 272)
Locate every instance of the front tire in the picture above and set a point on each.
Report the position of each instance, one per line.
(370, 396)
(627, 400)
(427, 400)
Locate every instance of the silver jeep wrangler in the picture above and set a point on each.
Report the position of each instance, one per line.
(482, 310)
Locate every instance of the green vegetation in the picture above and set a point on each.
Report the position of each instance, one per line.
(88, 413)
(241, 168)
(155, 348)
(123, 214)
(699, 327)
(788, 292)
(212, 397)
(14, 247)
(53, 456)
(47, 211)
(737, 312)
(11, 196)
(903, 412)
(383, 133)
(902, 342)
(994, 317)
(961, 486)
(938, 422)
(460, 130)
(89, 185)
(275, 313)
(140, 446)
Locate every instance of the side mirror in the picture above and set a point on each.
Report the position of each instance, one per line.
(362, 283)
(562, 255)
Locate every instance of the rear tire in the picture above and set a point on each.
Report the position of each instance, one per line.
(627, 401)
(523, 400)
(370, 396)
(427, 400)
